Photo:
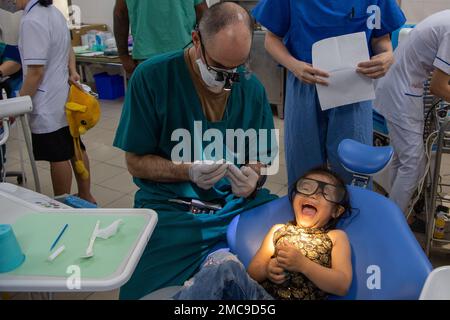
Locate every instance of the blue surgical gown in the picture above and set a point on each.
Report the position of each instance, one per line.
(312, 135)
(162, 99)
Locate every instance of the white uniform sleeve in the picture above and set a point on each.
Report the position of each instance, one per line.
(35, 43)
(442, 60)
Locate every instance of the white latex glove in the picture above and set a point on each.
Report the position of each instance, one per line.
(206, 174)
(243, 181)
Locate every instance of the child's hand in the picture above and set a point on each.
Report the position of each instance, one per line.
(274, 273)
(290, 258)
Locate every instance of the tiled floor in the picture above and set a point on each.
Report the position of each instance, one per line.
(112, 185)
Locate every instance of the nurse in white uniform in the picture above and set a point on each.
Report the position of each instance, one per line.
(400, 99)
(48, 65)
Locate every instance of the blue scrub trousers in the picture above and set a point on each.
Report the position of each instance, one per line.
(312, 136)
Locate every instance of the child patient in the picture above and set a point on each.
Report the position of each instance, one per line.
(305, 259)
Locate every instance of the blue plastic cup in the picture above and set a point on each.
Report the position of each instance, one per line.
(11, 255)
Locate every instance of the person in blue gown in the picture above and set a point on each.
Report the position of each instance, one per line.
(312, 136)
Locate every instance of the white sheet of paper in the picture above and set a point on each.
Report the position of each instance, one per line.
(340, 56)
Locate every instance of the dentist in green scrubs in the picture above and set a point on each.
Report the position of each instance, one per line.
(204, 91)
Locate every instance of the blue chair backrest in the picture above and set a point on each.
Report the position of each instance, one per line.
(380, 239)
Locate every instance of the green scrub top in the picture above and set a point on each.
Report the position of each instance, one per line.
(161, 99)
(160, 26)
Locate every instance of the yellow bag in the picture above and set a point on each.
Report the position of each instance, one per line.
(83, 113)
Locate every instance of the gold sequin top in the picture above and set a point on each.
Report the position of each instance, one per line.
(314, 244)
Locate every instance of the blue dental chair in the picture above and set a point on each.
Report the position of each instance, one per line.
(388, 263)
(382, 245)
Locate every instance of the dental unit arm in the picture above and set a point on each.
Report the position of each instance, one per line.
(14, 107)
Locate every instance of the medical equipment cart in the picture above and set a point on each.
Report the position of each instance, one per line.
(437, 144)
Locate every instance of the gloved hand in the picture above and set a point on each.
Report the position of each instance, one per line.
(243, 181)
(206, 174)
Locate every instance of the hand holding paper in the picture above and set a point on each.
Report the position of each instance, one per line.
(378, 66)
(340, 57)
(308, 74)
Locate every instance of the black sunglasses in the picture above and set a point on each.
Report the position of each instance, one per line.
(330, 192)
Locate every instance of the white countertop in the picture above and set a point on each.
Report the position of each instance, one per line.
(13, 207)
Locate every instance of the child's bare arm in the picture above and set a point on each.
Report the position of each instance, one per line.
(258, 266)
(335, 280)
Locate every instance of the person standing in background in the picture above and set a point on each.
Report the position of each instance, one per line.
(312, 136)
(157, 27)
(49, 66)
(400, 100)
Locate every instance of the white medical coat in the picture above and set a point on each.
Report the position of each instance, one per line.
(45, 40)
(400, 92)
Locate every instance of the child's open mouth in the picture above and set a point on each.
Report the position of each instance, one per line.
(309, 210)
